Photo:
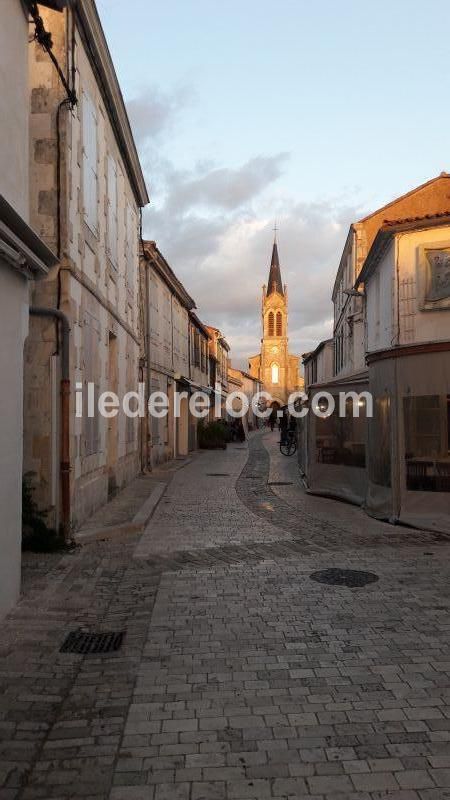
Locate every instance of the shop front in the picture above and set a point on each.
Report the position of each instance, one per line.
(333, 452)
(409, 436)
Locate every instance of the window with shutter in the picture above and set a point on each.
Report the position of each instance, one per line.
(112, 210)
(90, 156)
(204, 356)
(91, 375)
(196, 348)
(157, 423)
(130, 429)
(131, 246)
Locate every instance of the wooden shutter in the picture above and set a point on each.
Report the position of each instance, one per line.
(196, 348)
(112, 210)
(90, 155)
(91, 375)
(131, 247)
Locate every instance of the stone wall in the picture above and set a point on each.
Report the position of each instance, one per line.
(96, 284)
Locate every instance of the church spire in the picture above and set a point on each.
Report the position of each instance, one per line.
(275, 283)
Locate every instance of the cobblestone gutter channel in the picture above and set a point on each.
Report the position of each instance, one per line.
(256, 493)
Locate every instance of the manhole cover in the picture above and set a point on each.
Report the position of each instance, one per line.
(280, 483)
(82, 642)
(351, 578)
(218, 474)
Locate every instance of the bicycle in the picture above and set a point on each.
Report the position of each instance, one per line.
(288, 444)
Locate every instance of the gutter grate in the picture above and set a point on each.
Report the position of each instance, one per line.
(85, 643)
(218, 474)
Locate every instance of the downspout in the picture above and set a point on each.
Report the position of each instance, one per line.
(149, 363)
(65, 411)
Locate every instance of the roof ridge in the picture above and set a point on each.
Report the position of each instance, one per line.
(402, 220)
(406, 194)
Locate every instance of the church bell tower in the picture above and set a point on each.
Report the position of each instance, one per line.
(275, 367)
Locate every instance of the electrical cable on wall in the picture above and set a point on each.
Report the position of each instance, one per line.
(44, 38)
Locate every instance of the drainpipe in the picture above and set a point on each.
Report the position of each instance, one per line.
(65, 411)
(148, 430)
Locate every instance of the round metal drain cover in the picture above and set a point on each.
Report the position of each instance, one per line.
(352, 578)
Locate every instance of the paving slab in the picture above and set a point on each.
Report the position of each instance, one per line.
(239, 676)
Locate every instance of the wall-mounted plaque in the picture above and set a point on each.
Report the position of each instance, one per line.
(439, 276)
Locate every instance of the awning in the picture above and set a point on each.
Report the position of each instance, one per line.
(20, 246)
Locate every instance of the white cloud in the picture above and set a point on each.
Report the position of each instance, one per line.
(214, 225)
(153, 112)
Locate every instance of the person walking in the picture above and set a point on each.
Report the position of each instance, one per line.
(284, 423)
(273, 418)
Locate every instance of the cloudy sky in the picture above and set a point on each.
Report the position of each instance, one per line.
(250, 111)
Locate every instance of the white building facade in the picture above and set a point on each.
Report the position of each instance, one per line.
(407, 286)
(23, 258)
(167, 307)
(87, 190)
(337, 454)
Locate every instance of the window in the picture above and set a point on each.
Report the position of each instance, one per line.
(90, 155)
(339, 352)
(271, 324)
(380, 442)
(427, 443)
(131, 238)
(279, 324)
(112, 210)
(275, 373)
(130, 429)
(157, 425)
(196, 348)
(91, 373)
(341, 440)
(204, 355)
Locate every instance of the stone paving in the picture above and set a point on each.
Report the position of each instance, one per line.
(240, 677)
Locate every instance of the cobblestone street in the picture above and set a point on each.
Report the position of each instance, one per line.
(239, 678)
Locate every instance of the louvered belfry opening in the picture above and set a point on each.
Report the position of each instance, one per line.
(279, 323)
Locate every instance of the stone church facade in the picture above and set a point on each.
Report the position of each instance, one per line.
(275, 366)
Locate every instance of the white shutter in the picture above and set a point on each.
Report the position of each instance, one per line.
(90, 154)
(112, 210)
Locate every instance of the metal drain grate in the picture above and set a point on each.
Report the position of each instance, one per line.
(83, 642)
(218, 474)
(352, 578)
(280, 483)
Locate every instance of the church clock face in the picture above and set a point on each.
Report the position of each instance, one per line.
(275, 350)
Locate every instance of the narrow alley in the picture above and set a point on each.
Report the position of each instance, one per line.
(239, 675)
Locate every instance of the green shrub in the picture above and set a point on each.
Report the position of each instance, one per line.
(212, 435)
(36, 535)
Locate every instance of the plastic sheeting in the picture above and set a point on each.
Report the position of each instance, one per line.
(410, 481)
(336, 447)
